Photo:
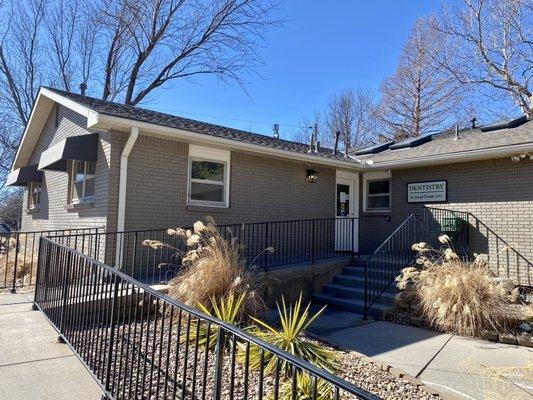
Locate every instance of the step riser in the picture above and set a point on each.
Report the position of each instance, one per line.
(342, 305)
(359, 272)
(347, 280)
(346, 293)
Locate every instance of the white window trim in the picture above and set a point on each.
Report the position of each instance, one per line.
(200, 153)
(72, 173)
(31, 188)
(376, 176)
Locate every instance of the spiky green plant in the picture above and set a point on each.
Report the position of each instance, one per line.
(294, 321)
(305, 389)
(226, 309)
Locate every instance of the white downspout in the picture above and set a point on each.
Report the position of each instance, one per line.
(122, 186)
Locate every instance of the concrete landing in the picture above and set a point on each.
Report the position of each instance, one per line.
(33, 365)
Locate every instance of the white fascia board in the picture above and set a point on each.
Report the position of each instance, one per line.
(464, 156)
(206, 140)
(92, 117)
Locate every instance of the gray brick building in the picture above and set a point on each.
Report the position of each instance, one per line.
(87, 163)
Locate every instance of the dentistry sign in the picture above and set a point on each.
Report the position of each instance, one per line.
(426, 192)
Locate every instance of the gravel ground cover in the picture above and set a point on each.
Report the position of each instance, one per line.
(156, 365)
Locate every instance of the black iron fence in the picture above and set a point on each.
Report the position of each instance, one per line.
(290, 242)
(19, 251)
(139, 343)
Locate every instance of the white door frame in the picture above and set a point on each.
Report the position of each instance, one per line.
(352, 180)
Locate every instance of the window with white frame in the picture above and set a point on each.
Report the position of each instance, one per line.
(34, 195)
(81, 181)
(208, 181)
(377, 191)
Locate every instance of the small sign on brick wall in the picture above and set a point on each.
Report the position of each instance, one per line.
(426, 192)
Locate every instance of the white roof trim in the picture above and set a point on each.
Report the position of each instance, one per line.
(35, 124)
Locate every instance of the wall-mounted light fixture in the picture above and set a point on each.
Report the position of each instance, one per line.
(519, 157)
(312, 176)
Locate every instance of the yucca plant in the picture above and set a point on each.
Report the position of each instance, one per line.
(306, 389)
(294, 321)
(226, 309)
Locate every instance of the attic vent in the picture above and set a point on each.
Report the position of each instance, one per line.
(504, 125)
(412, 142)
(374, 149)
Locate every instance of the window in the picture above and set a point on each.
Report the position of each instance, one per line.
(378, 195)
(81, 181)
(34, 195)
(208, 177)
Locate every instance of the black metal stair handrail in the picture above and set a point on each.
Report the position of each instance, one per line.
(516, 266)
(127, 333)
(384, 264)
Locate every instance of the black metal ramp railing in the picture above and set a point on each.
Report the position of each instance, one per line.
(293, 241)
(138, 343)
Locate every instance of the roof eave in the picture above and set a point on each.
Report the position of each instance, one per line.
(105, 121)
(36, 122)
(465, 156)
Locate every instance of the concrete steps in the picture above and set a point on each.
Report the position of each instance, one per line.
(347, 291)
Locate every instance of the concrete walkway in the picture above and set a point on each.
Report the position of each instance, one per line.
(452, 364)
(33, 365)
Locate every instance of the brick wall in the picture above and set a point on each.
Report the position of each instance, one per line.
(498, 192)
(261, 188)
(53, 213)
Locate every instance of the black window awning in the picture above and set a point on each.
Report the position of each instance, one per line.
(81, 148)
(24, 175)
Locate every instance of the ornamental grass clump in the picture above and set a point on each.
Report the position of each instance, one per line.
(294, 321)
(213, 267)
(454, 295)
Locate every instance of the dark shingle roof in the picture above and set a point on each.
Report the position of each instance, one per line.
(173, 121)
(445, 143)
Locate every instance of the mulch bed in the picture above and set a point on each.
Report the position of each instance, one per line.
(514, 335)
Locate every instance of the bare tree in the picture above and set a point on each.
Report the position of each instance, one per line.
(492, 47)
(421, 95)
(150, 43)
(307, 126)
(122, 50)
(351, 113)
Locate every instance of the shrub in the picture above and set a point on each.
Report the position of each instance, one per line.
(294, 320)
(213, 267)
(226, 309)
(456, 296)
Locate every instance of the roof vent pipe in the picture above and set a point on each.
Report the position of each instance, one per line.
(311, 140)
(336, 148)
(473, 121)
(315, 134)
(346, 146)
(456, 133)
(83, 88)
(275, 128)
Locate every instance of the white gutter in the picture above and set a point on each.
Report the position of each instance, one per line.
(174, 133)
(122, 187)
(123, 177)
(463, 156)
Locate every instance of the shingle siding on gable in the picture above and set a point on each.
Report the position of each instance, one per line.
(498, 192)
(261, 188)
(52, 213)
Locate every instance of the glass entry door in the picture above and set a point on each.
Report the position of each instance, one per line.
(344, 231)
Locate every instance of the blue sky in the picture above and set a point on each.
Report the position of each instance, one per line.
(325, 46)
